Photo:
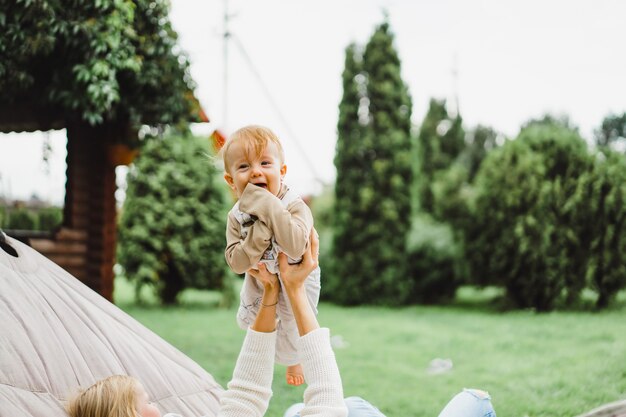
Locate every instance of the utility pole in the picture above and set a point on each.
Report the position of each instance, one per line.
(228, 36)
(455, 83)
(225, 87)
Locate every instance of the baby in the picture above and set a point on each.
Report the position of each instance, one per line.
(267, 219)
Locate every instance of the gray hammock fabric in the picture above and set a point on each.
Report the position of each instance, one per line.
(57, 335)
(614, 409)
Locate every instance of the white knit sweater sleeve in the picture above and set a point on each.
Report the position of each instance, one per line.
(250, 390)
(324, 394)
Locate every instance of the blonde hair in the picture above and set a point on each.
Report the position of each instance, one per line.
(254, 139)
(115, 396)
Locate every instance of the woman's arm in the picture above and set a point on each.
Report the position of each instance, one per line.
(250, 389)
(324, 394)
(266, 318)
(294, 277)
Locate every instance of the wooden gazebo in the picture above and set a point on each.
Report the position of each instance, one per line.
(84, 244)
(100, 82)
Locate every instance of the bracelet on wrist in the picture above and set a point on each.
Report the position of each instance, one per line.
(269, 305)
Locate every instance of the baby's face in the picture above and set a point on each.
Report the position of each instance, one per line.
(265, 170)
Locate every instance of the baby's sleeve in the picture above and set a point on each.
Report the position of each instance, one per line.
(243, 254)
(291, 226)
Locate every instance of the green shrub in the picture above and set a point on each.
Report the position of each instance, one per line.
(50, 218)
(605, 193)
(434, 265)
(322, 207)
(46, 218)
(172, 227)
(451, 197)
(22, 219)
(525, 233)
(566, 158)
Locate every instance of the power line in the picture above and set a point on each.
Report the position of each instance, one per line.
(276, 108)
(225, 52)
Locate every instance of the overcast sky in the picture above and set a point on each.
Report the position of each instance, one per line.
(515, 60)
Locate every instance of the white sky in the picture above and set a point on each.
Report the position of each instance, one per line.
(515, 60)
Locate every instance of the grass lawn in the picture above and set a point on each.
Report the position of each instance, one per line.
(556, 364)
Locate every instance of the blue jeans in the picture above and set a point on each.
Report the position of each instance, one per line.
(357, 407)
(467, 403)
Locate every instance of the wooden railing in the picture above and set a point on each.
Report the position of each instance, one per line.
(65, 247)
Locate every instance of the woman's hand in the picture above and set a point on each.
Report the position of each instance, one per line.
(293, 276)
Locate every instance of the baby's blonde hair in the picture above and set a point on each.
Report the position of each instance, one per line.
(254, 139)
(115, 396)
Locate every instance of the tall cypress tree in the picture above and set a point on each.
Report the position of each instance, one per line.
(350, 131)
(373, 178)
(349, 164)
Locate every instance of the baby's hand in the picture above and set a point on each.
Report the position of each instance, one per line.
(266, 278)
(248, 220)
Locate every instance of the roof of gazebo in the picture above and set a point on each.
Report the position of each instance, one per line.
(28, 116)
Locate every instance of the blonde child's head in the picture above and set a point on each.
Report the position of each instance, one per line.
(253, 154)
(254, 139)
(115, 396)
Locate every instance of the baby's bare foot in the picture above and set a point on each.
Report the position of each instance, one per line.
(294, 375)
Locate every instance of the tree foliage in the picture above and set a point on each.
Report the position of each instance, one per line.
(373, 177)
(173, 220)
(612, 130)
(435, 263)
(440, 141)
(478, 143)
(105, 60)
(350, 165)
(526, 231)
(25, 218)
(605, 195)
(451, 193)
(448, 189)
(22, 219)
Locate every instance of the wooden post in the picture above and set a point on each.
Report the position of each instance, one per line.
(90, 199)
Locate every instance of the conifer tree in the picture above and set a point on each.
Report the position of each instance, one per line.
(350, 130)
(349, 164)
(440, 141)
(373, 178)
(612, 130)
